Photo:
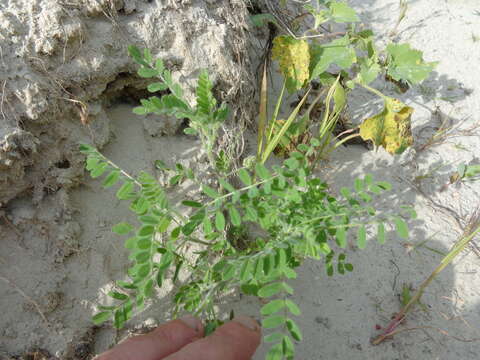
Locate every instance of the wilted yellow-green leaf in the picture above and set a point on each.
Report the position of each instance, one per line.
(293, 56)
(390, 128)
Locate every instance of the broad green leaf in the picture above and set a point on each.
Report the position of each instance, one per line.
(294, 58)
(235, 217)
(292, 307)
(369, 70)
(294, 330)
(362, 237)
(342, 13)
(101, 317)
(401, 227)
(391, 128)
(219, 220)
(122, 228)
(245, 177)
(272, 307)
(337, 52)
(405, 63)
(273, 321)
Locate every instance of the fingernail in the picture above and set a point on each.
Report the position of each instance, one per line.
(191, 322)
(247, 322)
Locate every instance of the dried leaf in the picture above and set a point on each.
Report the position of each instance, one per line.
(293, 56)
(390, 128)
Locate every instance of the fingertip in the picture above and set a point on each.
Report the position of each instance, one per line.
(193, 323)
(248, 322)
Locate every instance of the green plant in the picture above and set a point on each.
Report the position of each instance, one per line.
(470, 232)
(310, 57)
(292, 213)
(205, 117)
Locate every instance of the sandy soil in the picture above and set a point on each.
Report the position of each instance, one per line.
(50, 284)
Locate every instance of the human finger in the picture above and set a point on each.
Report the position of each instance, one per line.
(159, 343)
(236, 340)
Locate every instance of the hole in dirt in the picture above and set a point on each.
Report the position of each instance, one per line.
(126, 89)
(254, 8)
(63, 164)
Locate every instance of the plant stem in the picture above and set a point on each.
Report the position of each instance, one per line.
(372, 90)
(468, 235)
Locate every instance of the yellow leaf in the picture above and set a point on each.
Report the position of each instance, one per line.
(390, 128)
(293, 56)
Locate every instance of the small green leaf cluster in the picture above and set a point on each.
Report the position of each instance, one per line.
(205, 117)
(285, 214)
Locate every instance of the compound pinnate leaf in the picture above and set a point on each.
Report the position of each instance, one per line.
(293, 56)
(405, 63)
(391, 128)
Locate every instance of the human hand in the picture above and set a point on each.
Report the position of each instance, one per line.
(183, 340)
